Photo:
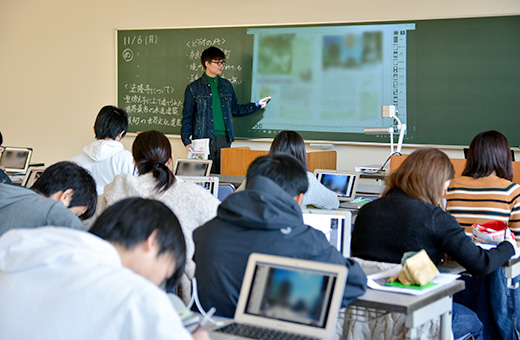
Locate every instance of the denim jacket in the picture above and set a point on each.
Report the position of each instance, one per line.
(197, 114)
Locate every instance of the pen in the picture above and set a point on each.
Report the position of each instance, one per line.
(205, 320)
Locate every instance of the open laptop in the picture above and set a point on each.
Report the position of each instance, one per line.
(286, 296)
(15, 159)
(343, 183)
(207, 182)
(32, 174)
(192, 167)
(336, 225)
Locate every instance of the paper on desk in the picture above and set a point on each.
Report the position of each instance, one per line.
(378, 281)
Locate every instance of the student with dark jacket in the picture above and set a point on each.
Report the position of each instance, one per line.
(265, 218)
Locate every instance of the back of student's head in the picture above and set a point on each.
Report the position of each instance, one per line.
(283, 169)
(1, 139)
(489, 151)
(292, 143)
(211, 53)
(131, 221)
(110, 122)
(67, 175)
(152, 151)
(423, 175)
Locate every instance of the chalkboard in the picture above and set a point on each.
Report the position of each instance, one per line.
(462, 77)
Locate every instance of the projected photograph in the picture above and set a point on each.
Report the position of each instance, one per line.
(275, 54)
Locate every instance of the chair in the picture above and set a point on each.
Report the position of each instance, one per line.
(224, 190)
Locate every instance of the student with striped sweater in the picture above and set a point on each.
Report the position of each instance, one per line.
(485, 191)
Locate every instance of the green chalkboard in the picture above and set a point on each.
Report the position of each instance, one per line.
(462, 77)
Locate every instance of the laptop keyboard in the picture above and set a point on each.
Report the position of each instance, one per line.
(260, 333)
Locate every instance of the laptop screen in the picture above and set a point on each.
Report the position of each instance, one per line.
(15, 159)
(296, 295)
(208, 183)
(332, 225)
(192, 167)
(343, 184)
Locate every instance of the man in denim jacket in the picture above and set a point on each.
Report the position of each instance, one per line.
(209, 103)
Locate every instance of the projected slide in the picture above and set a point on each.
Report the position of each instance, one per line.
(329, 78)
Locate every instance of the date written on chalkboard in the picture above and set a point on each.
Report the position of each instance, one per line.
(139, 40)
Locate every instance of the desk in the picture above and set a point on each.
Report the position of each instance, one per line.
(512, 270)
(417, 309)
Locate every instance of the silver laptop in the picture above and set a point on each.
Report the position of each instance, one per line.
(192, 167)
(207, 182)
(282, 297)
(32, 174)
(343, 183)
(336, 225)
(15, 160)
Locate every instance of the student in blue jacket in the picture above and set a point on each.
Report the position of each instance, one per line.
(265, 218)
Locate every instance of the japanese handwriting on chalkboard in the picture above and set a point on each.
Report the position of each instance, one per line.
(204, 42)
(147, 89)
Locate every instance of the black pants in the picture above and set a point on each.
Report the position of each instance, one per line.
(214, 151)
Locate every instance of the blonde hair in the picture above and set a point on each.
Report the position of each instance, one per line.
(422, 175)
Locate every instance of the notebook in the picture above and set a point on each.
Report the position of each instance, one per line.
(15, 160)
(207, 182)
(336, 225)
(283, 295)
(32, 174)
(343, 183)
(192, 167)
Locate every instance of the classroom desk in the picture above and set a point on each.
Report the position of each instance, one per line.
(417, 309)
(511, 271)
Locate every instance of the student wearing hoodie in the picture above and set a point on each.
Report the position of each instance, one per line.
(106, 157)
(58, 283)
(265, 218)
(64, 192)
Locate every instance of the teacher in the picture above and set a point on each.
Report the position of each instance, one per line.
(209, 103)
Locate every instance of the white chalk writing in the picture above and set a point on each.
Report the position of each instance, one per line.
(150, 39)
(155, 120)
(147, 89)
(204, 42)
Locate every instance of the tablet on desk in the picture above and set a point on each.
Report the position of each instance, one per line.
(15, 159)
(343, 183)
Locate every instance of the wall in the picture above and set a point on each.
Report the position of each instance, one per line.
(57, 60)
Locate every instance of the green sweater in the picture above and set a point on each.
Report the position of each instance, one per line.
(219, 128)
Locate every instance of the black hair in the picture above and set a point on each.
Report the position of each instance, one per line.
(131, 221)
(489, 151)
(292, 143)
(1, 139)
(283, 169)
(211, 53)
(152, 150)
(110, 122)
(67, 175)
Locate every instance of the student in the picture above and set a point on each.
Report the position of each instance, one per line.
(408, 218)
(192, 204)
(265, 218)
(106, 157)
(485, 193)
(57, 283)
(64, 192)
(3, 176)
(316, 195)
(209, 103)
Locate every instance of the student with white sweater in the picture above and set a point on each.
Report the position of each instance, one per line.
(192, 204)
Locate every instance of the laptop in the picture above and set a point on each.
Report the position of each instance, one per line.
(32, 174)
(192, 167)
(343, 183)
(15, 160)
(286, 297)
(207, 182)
(336, 225)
